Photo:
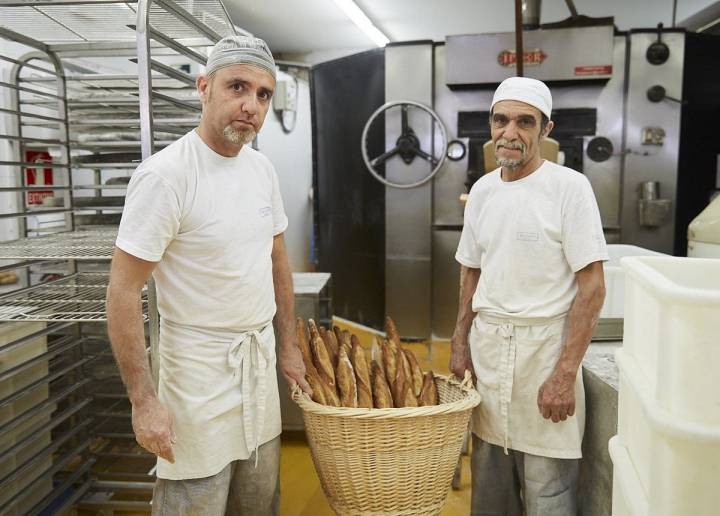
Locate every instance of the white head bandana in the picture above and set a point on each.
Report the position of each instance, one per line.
(232, 50)
(527, 90)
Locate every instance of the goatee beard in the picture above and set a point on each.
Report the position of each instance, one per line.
(239, 137)
(511, 164)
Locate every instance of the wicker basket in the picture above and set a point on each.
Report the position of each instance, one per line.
(389, 461)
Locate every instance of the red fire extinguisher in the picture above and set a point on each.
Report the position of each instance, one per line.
(38, 176)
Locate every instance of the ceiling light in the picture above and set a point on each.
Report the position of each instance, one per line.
(359, 18)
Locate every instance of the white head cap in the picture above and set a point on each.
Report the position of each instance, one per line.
(247, 50)
(527, 90)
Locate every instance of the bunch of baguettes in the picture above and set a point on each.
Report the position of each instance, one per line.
(341, 375)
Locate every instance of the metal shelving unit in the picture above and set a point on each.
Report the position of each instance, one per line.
(98, 122)
(76, 298)
(79, 245)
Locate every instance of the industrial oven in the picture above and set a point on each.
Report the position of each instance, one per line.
(398, 137)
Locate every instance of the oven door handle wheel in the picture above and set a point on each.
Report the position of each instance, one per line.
(407, 145)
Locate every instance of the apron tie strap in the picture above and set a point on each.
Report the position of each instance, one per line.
(507, 373)
(248, 355)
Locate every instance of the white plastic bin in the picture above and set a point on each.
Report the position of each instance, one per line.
(614, 306)
(675, 461)
(629, 498)
(669, 398)
(672, 316)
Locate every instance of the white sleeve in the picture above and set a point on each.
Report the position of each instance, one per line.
(280, 220)
(469, 252)
(583, 240)
(151, 217)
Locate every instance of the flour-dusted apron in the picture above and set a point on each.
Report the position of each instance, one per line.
(512, 359)
(222, 391)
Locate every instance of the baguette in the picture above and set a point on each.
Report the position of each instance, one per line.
(346, 341)
(354, 340)
(398, 387)
(389, 360)
(402, 389)
(376, 354)
(322, 362)
(312, 329)
(402, 360)
(338, 334)
(392, 334)
(362, 375)
(410, 400)
(328, 338)
(429, 393)
(381, 392)
(417, 376)
(331, 396)
(347, 385)
(303, 343)
(314, 381)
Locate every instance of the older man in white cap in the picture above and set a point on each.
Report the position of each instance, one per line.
(205, 217)
(532, 286)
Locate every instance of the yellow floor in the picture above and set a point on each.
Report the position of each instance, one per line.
(301, 494)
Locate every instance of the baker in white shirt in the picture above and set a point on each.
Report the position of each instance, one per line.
(204, 216)
(531, 289)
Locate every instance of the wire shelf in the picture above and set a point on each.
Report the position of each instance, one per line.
(70, 23)
(77, 298)
(64, 23)
(208, 12)
(75, 245)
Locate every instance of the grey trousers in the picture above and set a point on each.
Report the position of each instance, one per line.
(240, 489)
(520, 483)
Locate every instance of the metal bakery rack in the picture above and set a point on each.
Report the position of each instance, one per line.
(93, 88)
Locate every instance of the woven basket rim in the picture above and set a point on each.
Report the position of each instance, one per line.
(471, 400)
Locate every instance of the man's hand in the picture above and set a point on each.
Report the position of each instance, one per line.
(292, 366)
(153, 426)
(460, 360)
(289, 356)
(556, 397)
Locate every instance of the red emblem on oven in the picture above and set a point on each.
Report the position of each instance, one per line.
(530, 57)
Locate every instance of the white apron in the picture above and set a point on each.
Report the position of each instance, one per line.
(512, 359)
(222, 391)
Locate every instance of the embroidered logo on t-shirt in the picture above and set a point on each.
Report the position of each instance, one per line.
(265, 211)
(528, 236)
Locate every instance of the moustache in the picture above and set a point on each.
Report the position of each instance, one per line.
(507, 144)
(249, 122)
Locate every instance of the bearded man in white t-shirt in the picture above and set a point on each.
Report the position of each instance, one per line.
(204, 216)
(531, 289)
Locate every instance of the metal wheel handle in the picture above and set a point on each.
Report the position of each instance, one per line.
(407, 145)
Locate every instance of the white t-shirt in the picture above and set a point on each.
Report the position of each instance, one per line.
(529, 237)
(209, 220)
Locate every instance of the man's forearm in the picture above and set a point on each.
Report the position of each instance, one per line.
(468, 283)
(581, 322)
(127, 338)
(284, 299)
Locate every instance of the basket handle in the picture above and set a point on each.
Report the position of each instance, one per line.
(467, 382)
(464, 383)
(296, 393)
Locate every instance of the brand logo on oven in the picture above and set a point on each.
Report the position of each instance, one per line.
(530, 57)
